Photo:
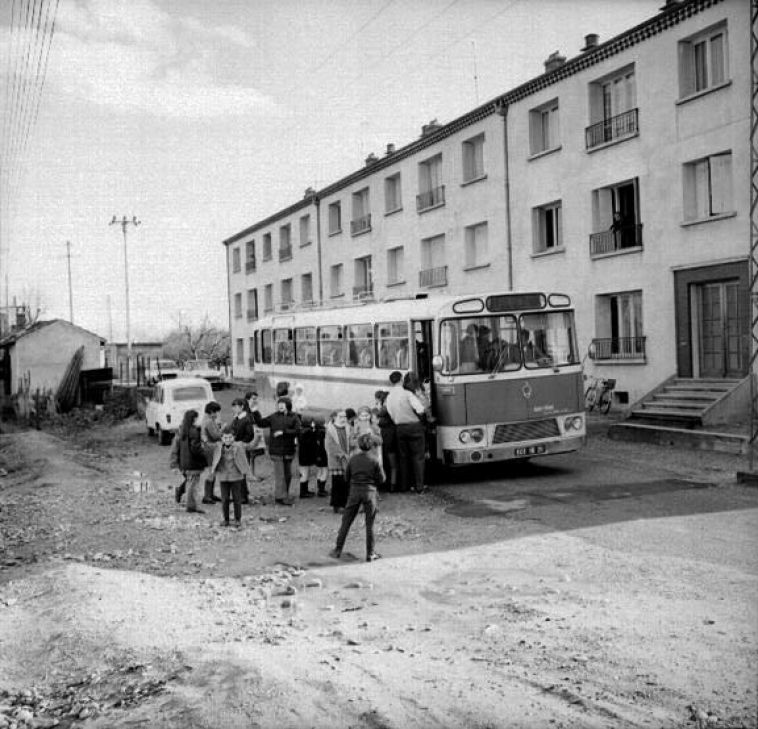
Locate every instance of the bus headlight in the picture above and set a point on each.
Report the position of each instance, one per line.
(473, 435)
(575, 422)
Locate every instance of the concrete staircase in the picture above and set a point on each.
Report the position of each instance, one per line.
(692, 403)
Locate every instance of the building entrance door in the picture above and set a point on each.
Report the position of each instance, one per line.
(720, 330)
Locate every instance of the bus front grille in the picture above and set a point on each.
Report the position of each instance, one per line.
(510, 432)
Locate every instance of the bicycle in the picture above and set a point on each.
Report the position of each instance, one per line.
(599, 394)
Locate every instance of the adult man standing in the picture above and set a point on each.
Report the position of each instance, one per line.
(407, 411)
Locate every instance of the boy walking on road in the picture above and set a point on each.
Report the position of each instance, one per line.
(363, 475)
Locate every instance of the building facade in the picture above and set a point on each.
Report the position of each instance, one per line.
(615, 176)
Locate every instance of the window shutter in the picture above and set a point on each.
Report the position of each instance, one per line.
(721, 183)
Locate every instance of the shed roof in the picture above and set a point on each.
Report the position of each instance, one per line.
(13, 337)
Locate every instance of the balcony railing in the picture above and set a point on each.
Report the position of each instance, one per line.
(251, 315)
(360, 225)
(266, 255)
(268, 308)
(363, 292)
(238, 313)
(431, 198)
(433, 276)
(619, 348)
(609, 241)
(617, 127)
(286, 305)
(251, 363)
(285, 253)
(250, 265)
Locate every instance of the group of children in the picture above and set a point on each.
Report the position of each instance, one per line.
(348, 450)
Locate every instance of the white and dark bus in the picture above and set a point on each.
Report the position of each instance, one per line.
(502, 370)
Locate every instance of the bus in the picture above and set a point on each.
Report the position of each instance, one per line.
(502, 370)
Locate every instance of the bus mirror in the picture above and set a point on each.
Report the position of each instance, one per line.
(437, 363)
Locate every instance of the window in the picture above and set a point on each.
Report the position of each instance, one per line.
(331, 352)
(305, 230)
(548, 339)
(392, 345)
(546, 224)
(240, 358)
(250, 256)
(360, 345)
(613, 108)
(335, 280)
(703, 61)
(393, 195)
(431, 190)
(479, 344)
(284, 350)
(252, 304)
(268, 298)
(266, 346)
(544, 128)
(361, 221)
(306, 288)
(251, 352)
(267, 246)
(615, 218)
(287, 299)
(473, 158)
(395, 270)
(285, 243)
(619, 326)
(238, 306)
(335, 218)
(708, 187)
(236, 263)
(363, 286)
(433, 269)
(476, 245)
(305, 346)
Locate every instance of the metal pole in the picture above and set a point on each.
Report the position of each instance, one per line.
(70, 288)
(124, 222)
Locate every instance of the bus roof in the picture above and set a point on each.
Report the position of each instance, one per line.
(496, 302)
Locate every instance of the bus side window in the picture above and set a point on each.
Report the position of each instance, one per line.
(266, 346)
(331, 353)
(360, 345)
(392, 345)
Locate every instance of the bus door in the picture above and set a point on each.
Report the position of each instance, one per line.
(422, 349)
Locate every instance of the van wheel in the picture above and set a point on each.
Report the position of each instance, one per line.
(150, 431)
(164, 438)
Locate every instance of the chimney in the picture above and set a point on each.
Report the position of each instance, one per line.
(390, 149)
(554, 60)
(669, 4)
(371, 159)
(430, 128)
(590, 42)
(309, 192)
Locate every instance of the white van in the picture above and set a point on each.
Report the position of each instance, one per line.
(170, 399)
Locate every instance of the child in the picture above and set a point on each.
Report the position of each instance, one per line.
(367, 424)
(231, 468)
(338, 441)
(363, 477)
(187, 456)
(312, 453)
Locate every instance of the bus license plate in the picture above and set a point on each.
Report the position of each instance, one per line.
(534, 450)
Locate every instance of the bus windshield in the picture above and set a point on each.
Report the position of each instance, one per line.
(488, 344)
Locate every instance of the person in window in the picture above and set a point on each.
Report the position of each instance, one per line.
(469, 350)
(401, 356)
(366, 358)
(622, 231)
(532, 353)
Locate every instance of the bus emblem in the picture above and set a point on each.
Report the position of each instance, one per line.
(526, 391)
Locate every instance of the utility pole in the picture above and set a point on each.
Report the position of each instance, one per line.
(70, 288)
(124, 223)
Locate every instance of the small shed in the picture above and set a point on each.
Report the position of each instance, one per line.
(42, 352)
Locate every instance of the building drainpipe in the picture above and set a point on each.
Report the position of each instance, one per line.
(229, 300)
(317, 203)
(502, 109)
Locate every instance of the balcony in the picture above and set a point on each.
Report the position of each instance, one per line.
(266, 254)
(431, 277)
(430, 199)
(250, 265)
(238, 313)
(618, 348)
(252, 315)
(285, 253)
(251, 363)
(611, 241)
(609, 130)
(360, 225)
(268, 309)
(286, 305)
(365, 291)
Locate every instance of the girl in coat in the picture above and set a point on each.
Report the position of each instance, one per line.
(187, 456)
(312, 454)
(338, 443)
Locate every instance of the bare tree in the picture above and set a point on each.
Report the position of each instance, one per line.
(202, 341)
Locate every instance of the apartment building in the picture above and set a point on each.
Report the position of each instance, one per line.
(614, 176)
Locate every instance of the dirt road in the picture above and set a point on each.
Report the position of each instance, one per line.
(614, 588)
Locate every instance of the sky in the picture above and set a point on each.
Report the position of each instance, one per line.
(201, 117)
